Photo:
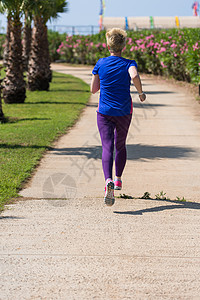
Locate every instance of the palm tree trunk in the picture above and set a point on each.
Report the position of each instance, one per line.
(47, 55)
(7, 42)
(14, 90)
(26, 42)
(38, 76)
(2, 117)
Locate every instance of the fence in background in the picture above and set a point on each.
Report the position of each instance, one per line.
(72, 30)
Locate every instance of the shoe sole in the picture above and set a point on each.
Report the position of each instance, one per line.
(108, 199)
(118, 187)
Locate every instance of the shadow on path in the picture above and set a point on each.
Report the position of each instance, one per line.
(175, 204)
(135, 152)
(10, 218)
(156, 92)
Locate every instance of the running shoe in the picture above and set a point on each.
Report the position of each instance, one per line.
(109, 198)
(118, 184)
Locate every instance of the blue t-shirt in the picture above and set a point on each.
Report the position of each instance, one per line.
(115, 81)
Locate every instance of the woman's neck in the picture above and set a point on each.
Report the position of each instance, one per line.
(116, 54)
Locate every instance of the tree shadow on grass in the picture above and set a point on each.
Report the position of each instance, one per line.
(18, 146)
(16, 120)
(53, 102)
(174, 204)
(68, 90)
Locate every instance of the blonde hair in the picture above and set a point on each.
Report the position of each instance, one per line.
(116, 39)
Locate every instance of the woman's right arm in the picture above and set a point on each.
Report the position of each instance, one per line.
(95, 84)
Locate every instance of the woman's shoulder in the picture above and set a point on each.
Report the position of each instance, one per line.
(128, 60)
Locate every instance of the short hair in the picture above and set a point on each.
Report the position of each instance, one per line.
(116, 39)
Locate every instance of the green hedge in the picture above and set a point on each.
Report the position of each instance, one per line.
(174, 53)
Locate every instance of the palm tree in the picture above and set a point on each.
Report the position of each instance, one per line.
(14, 87)
(27, 37)
(39, 72)
(2, 117)
(7, 42)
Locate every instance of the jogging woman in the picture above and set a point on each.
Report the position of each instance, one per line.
(112, 75)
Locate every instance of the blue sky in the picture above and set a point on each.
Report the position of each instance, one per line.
(86, 12)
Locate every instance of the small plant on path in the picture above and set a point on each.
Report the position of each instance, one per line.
(180, 199)
(146, 195)
(161, 196)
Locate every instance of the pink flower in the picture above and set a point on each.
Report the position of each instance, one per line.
(151, 43)
(91, 44)
(156, 46)
(132, 48)
(162, 49)
(195, 47)
(130, 41)
(173, 45)
(199, 64)
(104, 45)
(58, 50)
(142, 46)
(175, 55)
(166, 43)
(163, 65)
(136, 47)
(169, 37)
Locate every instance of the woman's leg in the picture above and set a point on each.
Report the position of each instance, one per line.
(122, 126)
(106, 129)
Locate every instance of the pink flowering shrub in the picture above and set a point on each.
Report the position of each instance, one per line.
(173, 53)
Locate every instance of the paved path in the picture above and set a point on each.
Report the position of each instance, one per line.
(62, 243)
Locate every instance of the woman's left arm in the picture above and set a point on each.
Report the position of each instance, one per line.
(95, 84)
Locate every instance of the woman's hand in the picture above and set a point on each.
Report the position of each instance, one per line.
(142, 97)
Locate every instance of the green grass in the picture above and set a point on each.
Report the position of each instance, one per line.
(32, 128)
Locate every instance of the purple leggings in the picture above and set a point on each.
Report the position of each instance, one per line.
(112, 130)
